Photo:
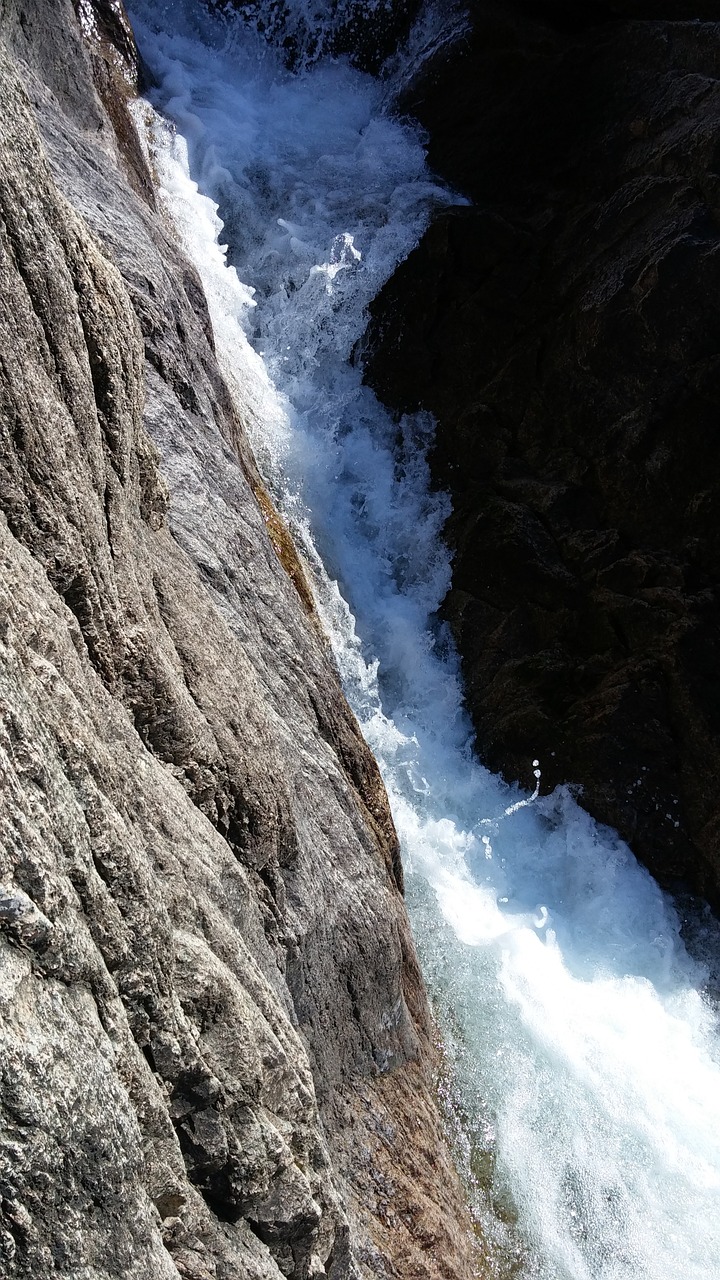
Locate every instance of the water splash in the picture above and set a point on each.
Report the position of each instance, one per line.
(304, 31)
(586, 1074)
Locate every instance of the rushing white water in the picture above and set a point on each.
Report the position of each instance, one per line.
(585, 1066)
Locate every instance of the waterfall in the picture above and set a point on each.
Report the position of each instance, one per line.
(304, 31)
(584, 1072)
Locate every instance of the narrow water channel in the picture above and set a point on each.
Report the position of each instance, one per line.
(585, 1082)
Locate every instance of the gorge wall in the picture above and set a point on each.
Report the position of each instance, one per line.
(565, 330)
(217, 1051)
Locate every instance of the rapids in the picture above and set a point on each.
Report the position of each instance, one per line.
(583, 1085)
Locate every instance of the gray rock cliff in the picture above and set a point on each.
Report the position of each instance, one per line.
(217, 1052)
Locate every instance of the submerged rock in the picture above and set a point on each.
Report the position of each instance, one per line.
(565, 329)
(217, 1051)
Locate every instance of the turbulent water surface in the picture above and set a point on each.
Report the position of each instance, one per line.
(585, 1081)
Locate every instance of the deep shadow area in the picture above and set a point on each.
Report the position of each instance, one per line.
(565, 331)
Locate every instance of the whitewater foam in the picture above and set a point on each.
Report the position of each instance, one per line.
(586, 1080)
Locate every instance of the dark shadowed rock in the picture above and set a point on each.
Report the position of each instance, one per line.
(565, 330)
(365, 33)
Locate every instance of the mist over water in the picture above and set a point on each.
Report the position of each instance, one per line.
(585, 1081)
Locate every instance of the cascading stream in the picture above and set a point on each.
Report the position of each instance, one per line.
(586, 1073)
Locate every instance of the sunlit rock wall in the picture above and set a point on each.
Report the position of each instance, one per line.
(216, 1048)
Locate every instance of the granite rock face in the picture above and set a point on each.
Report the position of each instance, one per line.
(565, 329)
(217, 1052)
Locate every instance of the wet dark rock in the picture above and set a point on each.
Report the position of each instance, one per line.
(366, 34)
(565, 329)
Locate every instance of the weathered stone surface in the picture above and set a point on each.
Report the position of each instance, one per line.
(566, 331)
(214, 1029)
